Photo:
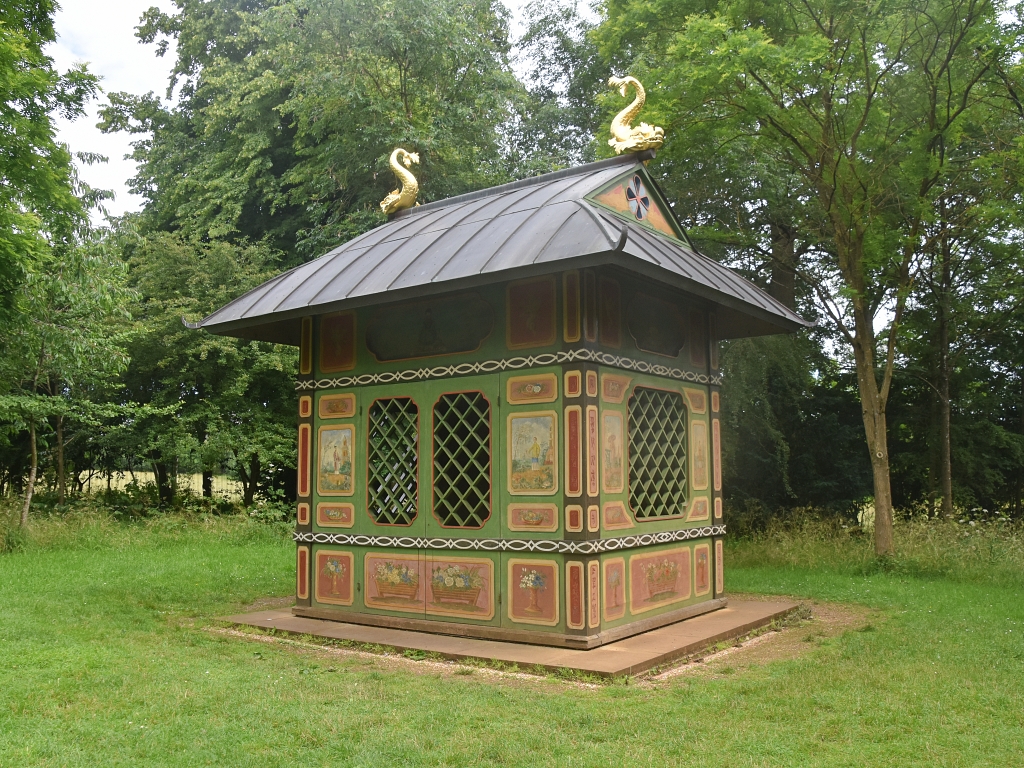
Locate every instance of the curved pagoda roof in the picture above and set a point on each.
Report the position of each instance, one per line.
(540, 225)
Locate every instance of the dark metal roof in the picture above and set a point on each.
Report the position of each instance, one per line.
(534, 226)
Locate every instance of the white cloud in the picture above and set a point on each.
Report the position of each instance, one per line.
(102, 34)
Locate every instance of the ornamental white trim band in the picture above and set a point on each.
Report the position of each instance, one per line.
(511, 364)
(592, 547)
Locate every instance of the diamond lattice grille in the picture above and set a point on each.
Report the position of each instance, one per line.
(657, 453)
(462, 460)
(393, 461)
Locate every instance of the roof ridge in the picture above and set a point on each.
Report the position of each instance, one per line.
(624, 159)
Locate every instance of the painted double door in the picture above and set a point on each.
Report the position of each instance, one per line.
(486, 469)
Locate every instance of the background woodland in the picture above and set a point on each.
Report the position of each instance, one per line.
(861, 162)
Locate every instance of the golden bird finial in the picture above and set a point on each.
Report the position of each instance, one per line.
(627, 139)
(406, 197)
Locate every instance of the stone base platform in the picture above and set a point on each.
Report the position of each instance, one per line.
(630, 656)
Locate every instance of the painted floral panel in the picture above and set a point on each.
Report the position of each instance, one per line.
(462, 587)
(337, 406)
(394, 582)
(335, 515)
(533, 591)
(658, 579)
(334, 572)
(532, 517)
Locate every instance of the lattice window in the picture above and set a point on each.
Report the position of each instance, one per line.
(393, 461)
(462, 460)
(657, 453)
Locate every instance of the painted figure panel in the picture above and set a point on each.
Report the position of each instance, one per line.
(701, 569)
(699, 452)
(335, 468)
(533, 453)
(612, 467)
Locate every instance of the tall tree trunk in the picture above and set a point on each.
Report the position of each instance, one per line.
(61, 480)
(945, 438)
(162, 476)
(783, 277)
(207, 483)
(33, 468)
(250, 480)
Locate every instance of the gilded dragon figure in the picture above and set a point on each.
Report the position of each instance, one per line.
(628, 139)
(406, 197)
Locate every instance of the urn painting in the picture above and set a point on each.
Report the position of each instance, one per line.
(508, 411)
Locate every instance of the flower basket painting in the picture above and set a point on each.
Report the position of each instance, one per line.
(334, 469)
(533, 585)
(334, 577)
(461, 587)
(533, 454)
(533, 517)
(658, 579)
(393, 582)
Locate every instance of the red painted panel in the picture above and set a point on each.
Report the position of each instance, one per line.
(304, 437)
(573, 449)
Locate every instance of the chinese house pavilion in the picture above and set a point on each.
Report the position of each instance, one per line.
(508, 407)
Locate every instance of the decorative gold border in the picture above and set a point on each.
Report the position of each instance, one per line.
(593, 593)
(719, 568)
(624, 380)
(355, 336)
(553, 564)
(574, 566)
(321, 520)
(431, 607)
(306, 347)
(716, 402)
(550, 280)
(573, 508)
(690, 516)
(572, 276)
(351, 581)
(696, 549)
(661, 553)
(305, 406)
(349, 412)
(616, 526)
(625, 591)
(716, 451)
(701, 426)
(554, 517)
(527, 400)
(703, 400)
(302, 573)
(302, 513)
(371, 602)
(718, 507)
(573, 389)
(554, 447)
(319, 432)
(608, 413)
(569, 410)
(304, 480)
(593, 452)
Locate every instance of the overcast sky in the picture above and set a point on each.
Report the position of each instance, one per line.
(102, 34)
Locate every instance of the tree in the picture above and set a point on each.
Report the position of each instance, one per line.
(38, 205)
(834, 93)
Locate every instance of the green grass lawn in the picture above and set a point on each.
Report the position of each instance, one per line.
(105, 660)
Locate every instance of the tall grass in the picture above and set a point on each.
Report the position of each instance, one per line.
(981, 552)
